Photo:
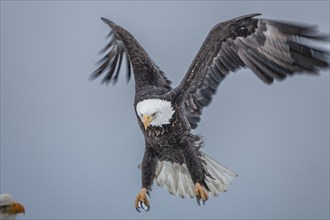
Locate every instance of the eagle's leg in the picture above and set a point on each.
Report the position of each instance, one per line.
(196, 169)
(148, 172)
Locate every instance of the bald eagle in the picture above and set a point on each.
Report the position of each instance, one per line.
(9, 208)
(173, 158)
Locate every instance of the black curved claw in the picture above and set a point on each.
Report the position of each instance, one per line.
(148, 194)
(141, 205)
(198, 200)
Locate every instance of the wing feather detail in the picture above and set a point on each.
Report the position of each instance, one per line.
(273, 50)
(123, 46)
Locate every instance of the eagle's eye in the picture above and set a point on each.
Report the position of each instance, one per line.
(154, 114)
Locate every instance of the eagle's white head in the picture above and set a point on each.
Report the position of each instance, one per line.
(9, 208)
(154, 112)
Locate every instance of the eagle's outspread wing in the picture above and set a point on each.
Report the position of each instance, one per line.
(146, 72)
(271, 49)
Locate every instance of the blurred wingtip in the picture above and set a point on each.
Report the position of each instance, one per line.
(104, 19)
(107, 21)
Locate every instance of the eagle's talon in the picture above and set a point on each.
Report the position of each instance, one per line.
(142, 201)
(197, 199)
(148, 208)
(142, 206)
(201, 194)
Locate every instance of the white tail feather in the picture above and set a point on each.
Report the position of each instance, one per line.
(181, 184)
(221, 174)
(177, 179)
(163, 174)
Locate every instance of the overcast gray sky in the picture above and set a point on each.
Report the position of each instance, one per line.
(70, 147)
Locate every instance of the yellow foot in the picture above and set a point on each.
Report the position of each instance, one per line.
(141, 200)
(200, 193)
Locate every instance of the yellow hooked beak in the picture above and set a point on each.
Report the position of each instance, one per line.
(16, 208)
(147, 119)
